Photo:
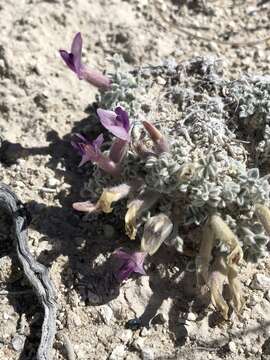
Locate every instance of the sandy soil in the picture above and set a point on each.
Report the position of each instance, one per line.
(41, 104)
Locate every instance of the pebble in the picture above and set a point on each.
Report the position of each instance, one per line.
(18, 342)
(73, 299)
(147, 353)
(139, 344)
(52, 182)
(253, 300)
(118, 353)
(125, 336)
(144, 332)
(260, 282)
(191, 316)
(106, 313)
(267, 295)
(6, 316)
(232, 347)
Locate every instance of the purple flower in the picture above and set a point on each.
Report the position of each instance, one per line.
(128, 264)
(90, 151)
(117, 122)
(73, 61)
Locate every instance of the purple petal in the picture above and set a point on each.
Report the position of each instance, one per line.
(76, 51)
(98, 142)
(78, 143)
(68, 59)
(129, 263)
(107, 117)
(85, 159)
(81, 137)
(123, 117)
(108, 120)
(77, 147)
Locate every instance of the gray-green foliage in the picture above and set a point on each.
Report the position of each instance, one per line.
(219, 133)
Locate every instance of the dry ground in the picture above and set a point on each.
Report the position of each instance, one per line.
(41, 104)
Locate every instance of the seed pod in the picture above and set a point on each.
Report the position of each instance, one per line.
(204, 257)
(216, 281)
(156, 230)
(135, 209)
(263, 214)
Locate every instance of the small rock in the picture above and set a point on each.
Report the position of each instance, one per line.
(267, 295)
(73, 320)
(6, 316)
(147, 353)
(253, 300)
(118, 352)
(125, 336)
(144, 332)
(213, 46)
(191, 316)
(260, 282)
(165, 309)
(73, 299)
(52, 182)
(232, 347)
(139, 344)
(18, 342)
(106, 313)
(138, 296)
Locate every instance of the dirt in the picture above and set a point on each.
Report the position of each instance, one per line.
(41, 105)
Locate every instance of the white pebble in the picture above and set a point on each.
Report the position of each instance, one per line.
(260, 282)
(106, 313)
(232, 347)
(148, 353)
(18, 342)
(118, 352)
(52, 182)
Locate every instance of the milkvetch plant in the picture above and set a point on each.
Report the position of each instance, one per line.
(182, 168)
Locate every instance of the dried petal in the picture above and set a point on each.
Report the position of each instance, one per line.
(223, 233)
(263, 214)
(85, 206)
(216, 281)
(131, 217)
(111, 195)
(204, 257)
(135, 208)
(156, 230)
(235, 288)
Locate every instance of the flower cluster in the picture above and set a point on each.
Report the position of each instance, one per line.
(194, 173)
